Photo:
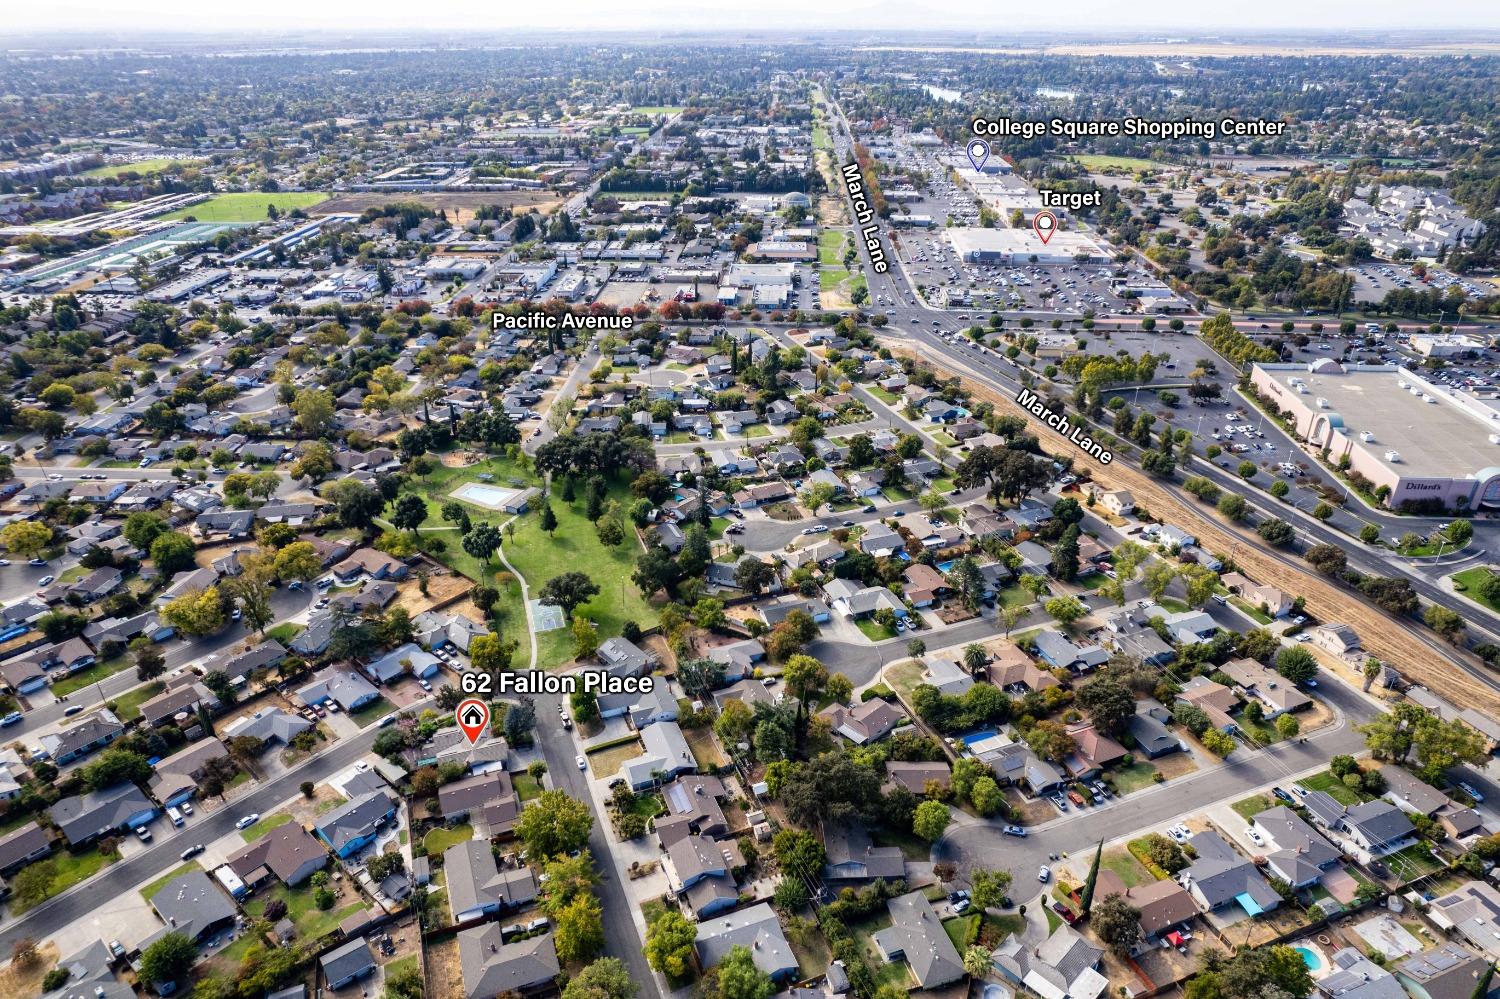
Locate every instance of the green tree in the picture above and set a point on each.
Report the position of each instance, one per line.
(1086, 896)
(578, 930)
(568, 591)
(168, 959)
(172, 552)
(26, 538)
(554, 823)
(314, 411)
(606, 978)
(1296, 664)
(1117, 924)
(1065, 609)
(930, 819)
(737, 977)
(669, 943)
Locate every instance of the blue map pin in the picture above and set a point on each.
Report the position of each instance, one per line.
(979, 152)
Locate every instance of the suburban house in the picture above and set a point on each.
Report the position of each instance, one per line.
(1296, 853)
(1411, 794)
(1276, 694)
(692, 808)
(353, 826)
(289, 852)
(916, 775)
(852, 856)
(1470, 912)
(855, 601)
(269, 725)
(868, 721)
(345, 688)
(87, 816)
(347, 964)
(755, 928)
(1269, 600)
(1446, 972)
(916, 935)
(177, 777)
(1213, 699)
(702, 871)
(1064, 966)
(394, 664)
(476, 884)
(493, 968)
(22, 846)
(1164, 905)
(88, 736)
(371, 563)
(1221, 877)
(468, 794)
(665, 755)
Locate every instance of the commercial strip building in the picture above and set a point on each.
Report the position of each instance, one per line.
(1419, 440)
(1023, 246)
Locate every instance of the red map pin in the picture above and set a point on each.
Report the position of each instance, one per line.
(473, 717)
(1045, 223)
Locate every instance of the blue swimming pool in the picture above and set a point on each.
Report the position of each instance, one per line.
(1311, 958)
(980, 736)
(945, 567)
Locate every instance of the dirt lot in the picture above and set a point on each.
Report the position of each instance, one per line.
(1421, 657)
(1033, 810)
(18, 984)
(444, 976)
(459, 205)
(1175, 765)
(439, 589)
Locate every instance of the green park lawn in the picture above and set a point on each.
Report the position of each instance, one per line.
(93, 674)
(265, 825)
(247, 206)
(141, 167)
(1091, 162)
(831, 248)
(654, 109)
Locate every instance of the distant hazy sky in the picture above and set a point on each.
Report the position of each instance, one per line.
(1067, 17)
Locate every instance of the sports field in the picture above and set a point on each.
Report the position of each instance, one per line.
(249, 206)
(140, 167)
(655, 109)
(1091, 162)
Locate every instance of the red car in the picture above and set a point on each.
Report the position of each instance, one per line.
(1065, 912)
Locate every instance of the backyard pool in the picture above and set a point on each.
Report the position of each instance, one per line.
(1311, 957)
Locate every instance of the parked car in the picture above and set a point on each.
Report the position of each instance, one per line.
(1471, 791)
(1065, 912)
(46, 580)
(1044, 874)
(192, 851)
(583, 764)
(37, 562)
(1014, 831)
(143, 834)
(1075, 798)
(72, 710)
(247, 821)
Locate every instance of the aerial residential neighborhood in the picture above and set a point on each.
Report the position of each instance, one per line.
(819, 515)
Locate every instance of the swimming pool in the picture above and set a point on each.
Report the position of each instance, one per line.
(1311, 958)
(489, 497)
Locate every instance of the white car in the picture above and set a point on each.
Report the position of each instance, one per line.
(583, 764)
(248, 821)
(1254, 837)
(1044, 874)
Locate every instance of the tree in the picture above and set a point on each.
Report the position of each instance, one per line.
(358, 504)
(115, 766)
(670, 943)
(1276, 531)
(143, 528)
(553, 824)
(1117, 924)
(568, 591)
(149, 662)
(251, 591)
(1445, 622)
(200, 613)
(606, 978)
(1108, 702)
(410, 512)
(700, 677)
(1232, 506)
(491, 653)
(1296, 664)
(172, 552)
(1086, 895)
(298, 560)
(1065, 610)
(578, 930)
(169, 958)
(977, 961)
(930, 819)
(987, 888)
(1330, 560)
(548, 519)
(737, 977)
(26, 538)
(752, 575)
(805, 679)
(987, 797)
(1217, 742)
(520, 720)
(1065, 555)
(481, 542)
(798, 853)
(1287, 726)
(1157, 577)
(314, 411)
